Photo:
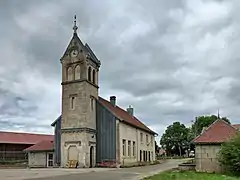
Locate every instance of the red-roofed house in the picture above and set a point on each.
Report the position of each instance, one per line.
(41, 154)
(208, 144)
(12, 144)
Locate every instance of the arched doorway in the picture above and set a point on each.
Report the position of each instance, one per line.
(91, 156)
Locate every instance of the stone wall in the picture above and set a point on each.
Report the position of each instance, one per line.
(82, 142)
(37, 159)
(206, 158)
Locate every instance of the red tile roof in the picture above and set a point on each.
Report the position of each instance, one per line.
(237, 126)
(23, 138)
(41, 146)
(218, 132)
(124, 115)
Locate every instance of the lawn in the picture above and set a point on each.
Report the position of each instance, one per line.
(189, 175)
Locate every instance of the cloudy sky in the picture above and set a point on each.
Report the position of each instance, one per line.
(171, 60)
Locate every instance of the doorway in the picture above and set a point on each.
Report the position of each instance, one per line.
(72, 153)
(91, 156)
(49, 159)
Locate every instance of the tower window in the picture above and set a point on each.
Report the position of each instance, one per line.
(77, 72)
(69, 74)
(92, 103)
(93, 77)
(72, 102)
(89, 73)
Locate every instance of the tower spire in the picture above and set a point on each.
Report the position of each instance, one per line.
(75, 25)
(218, 115)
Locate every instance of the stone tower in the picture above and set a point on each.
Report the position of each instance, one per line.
(80, 69)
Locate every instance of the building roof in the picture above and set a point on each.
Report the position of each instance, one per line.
(218, 132)
(23, 138)
(121, 114)
(41, 146)
(124, 115)
(237, 126)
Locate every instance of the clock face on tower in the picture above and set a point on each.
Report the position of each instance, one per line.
(74, 53)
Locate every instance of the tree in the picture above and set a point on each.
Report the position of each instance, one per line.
(175, 139)
(229, 156)
(202, 122)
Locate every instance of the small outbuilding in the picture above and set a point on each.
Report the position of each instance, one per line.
(41, 154)
(208, 144)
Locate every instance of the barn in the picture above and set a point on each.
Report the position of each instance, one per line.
(12, 144)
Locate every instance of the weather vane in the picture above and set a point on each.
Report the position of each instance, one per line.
(75, 25)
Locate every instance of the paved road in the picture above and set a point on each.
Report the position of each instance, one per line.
(118, 174)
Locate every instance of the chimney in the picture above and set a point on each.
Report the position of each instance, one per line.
(113, 100)
(130, 110)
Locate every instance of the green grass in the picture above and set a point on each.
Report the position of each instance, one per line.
(190, 175)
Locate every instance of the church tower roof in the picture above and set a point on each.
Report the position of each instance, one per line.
(76, 42)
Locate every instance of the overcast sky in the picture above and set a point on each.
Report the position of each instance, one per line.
(171, 60)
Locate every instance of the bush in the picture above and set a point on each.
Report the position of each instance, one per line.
(229, 156)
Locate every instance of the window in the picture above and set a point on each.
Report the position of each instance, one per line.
(77, 72)
(92, 103)
(129, 148)
(72, 102)
(134, 148)
(50, 160)
(151, 141)
(69, 74)
(124, 147)
(93, 77)
(89, 73)
(147, 139)
(141, 137)
(152, 156)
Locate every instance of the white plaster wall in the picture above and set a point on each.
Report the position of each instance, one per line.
(133, 134)
(37, 159)
(144, 146)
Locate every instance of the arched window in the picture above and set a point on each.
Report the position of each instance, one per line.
(69, 74)
(94, 77)
(77, 72)
(89, 73)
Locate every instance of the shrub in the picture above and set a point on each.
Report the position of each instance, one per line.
(229, 156)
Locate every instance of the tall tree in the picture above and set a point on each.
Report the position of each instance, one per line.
(202, 122)
(175, 139)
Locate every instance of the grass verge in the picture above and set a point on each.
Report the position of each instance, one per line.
(189, 175)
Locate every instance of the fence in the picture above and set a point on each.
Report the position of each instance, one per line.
(13, 157)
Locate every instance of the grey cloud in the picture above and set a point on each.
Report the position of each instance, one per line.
(154, 56)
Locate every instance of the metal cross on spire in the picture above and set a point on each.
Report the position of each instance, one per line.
(75, 25)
